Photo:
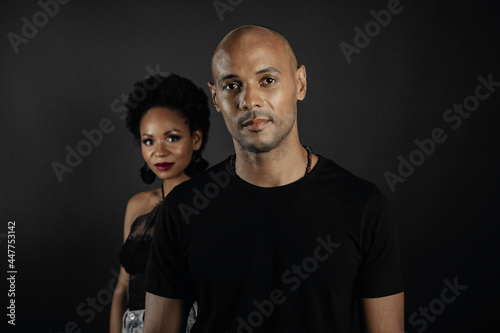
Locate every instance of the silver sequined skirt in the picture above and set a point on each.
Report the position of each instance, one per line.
(133, 321)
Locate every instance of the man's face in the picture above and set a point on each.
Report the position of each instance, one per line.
(256, 89)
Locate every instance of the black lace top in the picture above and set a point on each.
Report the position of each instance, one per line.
(134, 257)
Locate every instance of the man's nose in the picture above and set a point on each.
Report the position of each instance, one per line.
(251, 99)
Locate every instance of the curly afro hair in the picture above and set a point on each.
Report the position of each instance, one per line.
(176, 93)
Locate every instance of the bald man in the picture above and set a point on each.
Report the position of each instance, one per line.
(274, 238)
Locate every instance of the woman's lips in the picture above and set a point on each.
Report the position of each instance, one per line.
(163, 166)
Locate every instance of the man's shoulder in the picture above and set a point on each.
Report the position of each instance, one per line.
(335, 175)
(358, 193)
(215, 176)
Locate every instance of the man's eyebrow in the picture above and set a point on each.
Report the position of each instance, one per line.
(265, 70)
(268, 69)
(225, 77)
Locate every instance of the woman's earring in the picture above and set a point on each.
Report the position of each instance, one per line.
(147, 175)
(196, 156)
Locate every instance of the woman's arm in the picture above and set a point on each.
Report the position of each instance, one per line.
(120, 302)
(120, 296)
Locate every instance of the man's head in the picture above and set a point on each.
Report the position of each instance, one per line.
(256, 87)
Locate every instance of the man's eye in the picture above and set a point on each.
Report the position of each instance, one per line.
(269, 80)
(173, 138)
(230, 86)
(147, 142)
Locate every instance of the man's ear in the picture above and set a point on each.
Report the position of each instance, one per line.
(301, 82)
(214, 95)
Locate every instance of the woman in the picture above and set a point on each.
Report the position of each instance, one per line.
(170, 119)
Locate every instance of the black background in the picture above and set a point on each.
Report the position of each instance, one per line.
(362, 114)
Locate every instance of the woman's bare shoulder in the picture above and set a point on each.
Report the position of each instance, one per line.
(140, 204)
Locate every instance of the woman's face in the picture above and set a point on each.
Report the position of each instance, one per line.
(167, 145)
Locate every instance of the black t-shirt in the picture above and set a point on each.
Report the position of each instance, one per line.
(291, 258)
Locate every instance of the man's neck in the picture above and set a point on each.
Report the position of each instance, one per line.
(281, 166)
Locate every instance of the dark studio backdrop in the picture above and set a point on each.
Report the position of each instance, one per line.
(409, 102)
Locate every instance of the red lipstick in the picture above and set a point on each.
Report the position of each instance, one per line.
(163, 166)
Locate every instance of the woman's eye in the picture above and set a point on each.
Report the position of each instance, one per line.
(230, 86)
(147, 142)
(173, 138)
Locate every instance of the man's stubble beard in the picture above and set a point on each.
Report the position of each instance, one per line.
(264, 147)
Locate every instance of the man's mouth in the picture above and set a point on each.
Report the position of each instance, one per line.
(255, 124)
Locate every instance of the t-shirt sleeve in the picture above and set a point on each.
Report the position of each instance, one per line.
(380, 271)
(167, 273)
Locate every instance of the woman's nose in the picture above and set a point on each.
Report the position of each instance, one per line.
(161, 150)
